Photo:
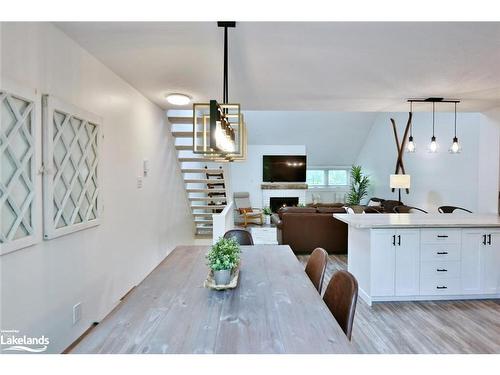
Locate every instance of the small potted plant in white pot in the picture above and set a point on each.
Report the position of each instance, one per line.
(267, 214)
(223, 257)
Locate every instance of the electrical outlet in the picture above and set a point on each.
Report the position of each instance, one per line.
(139, 182)
(77, 313)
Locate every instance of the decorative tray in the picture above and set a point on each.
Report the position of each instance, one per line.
(210, 281)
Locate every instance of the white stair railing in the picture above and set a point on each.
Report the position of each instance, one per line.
(222, 222)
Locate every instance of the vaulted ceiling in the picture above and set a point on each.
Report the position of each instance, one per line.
(285, 66)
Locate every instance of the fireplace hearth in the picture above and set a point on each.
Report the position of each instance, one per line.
(276, 203)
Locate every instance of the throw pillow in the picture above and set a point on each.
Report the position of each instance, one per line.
(374, 203)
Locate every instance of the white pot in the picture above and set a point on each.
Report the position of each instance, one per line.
(268, 219)
(222, 277)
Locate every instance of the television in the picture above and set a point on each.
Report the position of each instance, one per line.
(284, 168)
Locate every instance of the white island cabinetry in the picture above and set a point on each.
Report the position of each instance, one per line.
(401, 257)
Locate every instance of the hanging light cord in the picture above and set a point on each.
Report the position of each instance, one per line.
(433, 110)
(411, 124)
(455, 119)
(225, 93)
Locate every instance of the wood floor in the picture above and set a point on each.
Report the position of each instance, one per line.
(423, 327)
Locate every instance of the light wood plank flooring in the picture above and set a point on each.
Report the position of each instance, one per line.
(422, 327)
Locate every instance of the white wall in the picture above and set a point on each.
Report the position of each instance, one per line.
(469, 179)
(97, 266)
(247, 175)
(331, 138)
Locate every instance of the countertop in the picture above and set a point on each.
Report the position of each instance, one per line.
(420, 220)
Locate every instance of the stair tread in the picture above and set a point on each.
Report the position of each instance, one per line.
(209, 207)
(182, 119)
(206, 190)
(206, 199)
(183, 147)
(200, 170)
(202, 181)
(195, 159)
(202, 213)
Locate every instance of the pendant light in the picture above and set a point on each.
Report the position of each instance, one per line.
(433, 146)
(455, 147)
(411, 147)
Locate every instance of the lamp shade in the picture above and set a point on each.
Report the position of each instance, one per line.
(400, 181)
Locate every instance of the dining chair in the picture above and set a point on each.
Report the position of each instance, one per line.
(341, 296)
(408, 210)
(316, 266)
(243, 237)
(451, 209)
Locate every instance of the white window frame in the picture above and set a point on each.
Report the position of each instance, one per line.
(51, 104)
(11, 89)
(327, 186)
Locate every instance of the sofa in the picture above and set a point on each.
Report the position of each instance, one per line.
(306, 228)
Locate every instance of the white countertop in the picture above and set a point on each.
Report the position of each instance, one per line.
(420, 220)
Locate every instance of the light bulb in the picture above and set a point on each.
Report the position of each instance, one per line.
(433, 147)
(455, 146)
(410, 147)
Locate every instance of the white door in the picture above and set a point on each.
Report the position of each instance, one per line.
(473, 244)
(382, 262)
(490, 259)
(407, 262)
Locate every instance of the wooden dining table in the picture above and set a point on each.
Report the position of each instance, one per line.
(274, 309)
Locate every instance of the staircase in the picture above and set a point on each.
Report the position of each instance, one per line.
(203, 178)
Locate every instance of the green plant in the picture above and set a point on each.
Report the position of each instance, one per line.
(359, 186)
(301, 205)
(224, 254)
(267, 211)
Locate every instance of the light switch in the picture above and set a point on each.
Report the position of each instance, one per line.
(145, 167)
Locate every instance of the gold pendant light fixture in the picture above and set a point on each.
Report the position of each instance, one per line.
(219, 131)
(433, 146)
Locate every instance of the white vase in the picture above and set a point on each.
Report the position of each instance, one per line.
(268, 219)
(222, 277)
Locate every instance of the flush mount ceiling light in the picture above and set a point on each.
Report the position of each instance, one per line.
(178, 99)
(219, 132)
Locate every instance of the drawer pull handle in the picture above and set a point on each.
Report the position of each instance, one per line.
(442, 252)
(442, 236)
(442, 270)
(441, 287)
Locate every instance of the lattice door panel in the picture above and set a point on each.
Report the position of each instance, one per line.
(17, 171)
(71, 157)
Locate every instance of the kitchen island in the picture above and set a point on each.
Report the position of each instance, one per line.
(411, 257)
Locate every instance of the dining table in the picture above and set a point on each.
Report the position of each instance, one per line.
(274, 309)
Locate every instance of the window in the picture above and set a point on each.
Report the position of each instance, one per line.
(315, 177)
(338, 177)
(328, 177)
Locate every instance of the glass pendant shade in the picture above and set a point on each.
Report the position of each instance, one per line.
(433, 146)
(411, 147)
(455, 147)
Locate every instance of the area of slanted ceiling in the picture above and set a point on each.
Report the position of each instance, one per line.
(304, 66)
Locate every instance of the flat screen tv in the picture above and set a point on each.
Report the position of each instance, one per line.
(284, 168)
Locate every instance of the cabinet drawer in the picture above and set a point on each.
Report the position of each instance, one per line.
(440, 270)
(439, 252)
(440, 236)
(435, 286)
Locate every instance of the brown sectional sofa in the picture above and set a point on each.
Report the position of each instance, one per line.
(306, 228)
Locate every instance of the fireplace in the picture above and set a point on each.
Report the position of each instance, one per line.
(276, 203)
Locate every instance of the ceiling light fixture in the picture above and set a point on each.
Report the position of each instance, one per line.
(411, 147)
(219, 131)
(455, 147)
(433, 146)
(178, 99)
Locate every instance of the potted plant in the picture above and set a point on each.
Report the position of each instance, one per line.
(359, 186)
(267, 214)
(222, 258)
